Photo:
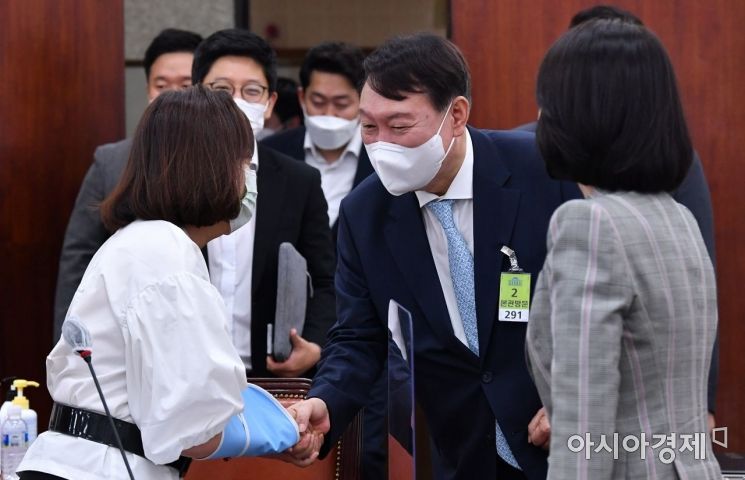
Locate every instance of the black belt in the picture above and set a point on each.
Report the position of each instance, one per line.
(95, 427)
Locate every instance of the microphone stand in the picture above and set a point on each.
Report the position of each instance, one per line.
(86, 355)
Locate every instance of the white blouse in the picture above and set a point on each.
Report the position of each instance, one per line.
(161, 351)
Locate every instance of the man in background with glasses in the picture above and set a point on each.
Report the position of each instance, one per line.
(290, 208)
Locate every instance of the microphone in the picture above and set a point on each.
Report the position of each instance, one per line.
(78, 337)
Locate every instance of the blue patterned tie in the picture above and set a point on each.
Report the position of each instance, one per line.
(461, 273)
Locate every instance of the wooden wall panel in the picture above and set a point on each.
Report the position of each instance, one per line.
(504, 42)
(62, 77)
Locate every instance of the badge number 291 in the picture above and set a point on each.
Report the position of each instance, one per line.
(514, 297)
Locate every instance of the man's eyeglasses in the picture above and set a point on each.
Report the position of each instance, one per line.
(251, 92)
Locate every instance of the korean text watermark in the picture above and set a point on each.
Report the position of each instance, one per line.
(665, 446)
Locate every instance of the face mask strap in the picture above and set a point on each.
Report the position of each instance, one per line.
(439, 129)
(452, 140)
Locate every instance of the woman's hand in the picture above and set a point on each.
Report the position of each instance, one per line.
(312, 417)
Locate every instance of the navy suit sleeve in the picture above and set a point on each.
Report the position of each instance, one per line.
(694, 194)
(316, 245)
(354, 355)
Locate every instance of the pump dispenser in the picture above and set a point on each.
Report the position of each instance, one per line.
(18, 385)
(27, 414)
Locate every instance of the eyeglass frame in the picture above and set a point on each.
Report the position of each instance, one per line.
(263, 88)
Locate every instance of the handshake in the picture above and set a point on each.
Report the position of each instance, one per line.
(312, 418)
(265, 427)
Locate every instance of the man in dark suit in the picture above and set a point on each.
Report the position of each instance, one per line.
(427, 231)
(167, 63)
(290, 208)
(331, 78)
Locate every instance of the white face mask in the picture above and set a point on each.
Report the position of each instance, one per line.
(248, 202)
(406, 169)
(254, 112)
(328, 132)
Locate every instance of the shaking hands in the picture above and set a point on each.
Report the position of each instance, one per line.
(312, 417)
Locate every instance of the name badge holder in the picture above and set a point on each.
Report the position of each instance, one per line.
(514, 291)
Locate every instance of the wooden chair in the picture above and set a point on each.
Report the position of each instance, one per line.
(342, 463)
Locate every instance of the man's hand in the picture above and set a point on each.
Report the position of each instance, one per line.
(312, 417)
(304, 356)
(539, 430)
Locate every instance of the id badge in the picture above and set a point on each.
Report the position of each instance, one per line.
(514, 297)
(514, 291)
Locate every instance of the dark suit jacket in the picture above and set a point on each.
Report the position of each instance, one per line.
(291, 208)
(694, 194)
(291, 143)
(384, 254)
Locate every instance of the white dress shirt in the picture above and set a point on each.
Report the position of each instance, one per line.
(461, 190)
(231, 268)
(337, 177)
(161, 351)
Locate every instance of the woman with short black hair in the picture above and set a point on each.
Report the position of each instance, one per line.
(624, 315)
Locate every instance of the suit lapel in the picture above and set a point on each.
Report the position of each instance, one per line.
(494, 213)
(271, 187)
(407, 242)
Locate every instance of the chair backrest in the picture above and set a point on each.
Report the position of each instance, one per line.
(342, 463)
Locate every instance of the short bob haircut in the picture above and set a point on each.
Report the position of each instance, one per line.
(186, 165)
(419, 63)
(611, 116)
